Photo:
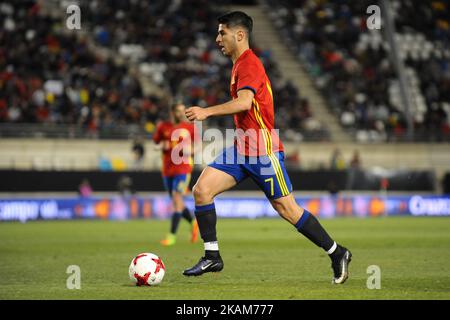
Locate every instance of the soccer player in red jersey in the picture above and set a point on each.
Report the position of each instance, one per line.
(176, 138)
(257, 153)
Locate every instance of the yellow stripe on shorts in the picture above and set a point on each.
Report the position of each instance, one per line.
(268, 142)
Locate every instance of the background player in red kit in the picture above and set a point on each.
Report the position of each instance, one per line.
(257, 153)
(173, 136)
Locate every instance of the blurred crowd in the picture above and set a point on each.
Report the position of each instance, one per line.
(52, 75)
(353, 68)
(49, 76)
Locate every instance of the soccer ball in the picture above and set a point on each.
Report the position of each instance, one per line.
(146, 269)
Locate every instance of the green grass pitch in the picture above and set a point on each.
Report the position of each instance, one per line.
(264, 259)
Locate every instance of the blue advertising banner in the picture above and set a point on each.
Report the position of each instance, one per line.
(159, 207)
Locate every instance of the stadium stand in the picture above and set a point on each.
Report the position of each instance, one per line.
(116, 77)
(352, 67)
(66, 81)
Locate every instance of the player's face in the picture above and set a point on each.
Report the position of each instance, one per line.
(226, 40)
(178, 112)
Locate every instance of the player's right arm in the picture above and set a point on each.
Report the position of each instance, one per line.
(242, 103)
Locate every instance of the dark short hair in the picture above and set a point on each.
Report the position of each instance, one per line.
(175, 105)
(237, 18)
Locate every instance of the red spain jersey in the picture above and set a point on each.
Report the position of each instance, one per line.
(174, 138)
(258, 135)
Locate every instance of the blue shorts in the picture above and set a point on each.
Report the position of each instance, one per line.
(177, 183)
(267, 171)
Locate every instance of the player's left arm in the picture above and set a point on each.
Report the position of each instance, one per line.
(243, 102)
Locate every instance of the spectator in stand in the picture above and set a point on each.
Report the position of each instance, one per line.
(138, 150)
(355, 162)
(354, 166)
(85, 189)
(337, 161)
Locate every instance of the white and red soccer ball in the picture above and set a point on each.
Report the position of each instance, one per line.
(146, 269)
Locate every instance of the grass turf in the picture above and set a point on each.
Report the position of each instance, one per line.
(264, 259)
